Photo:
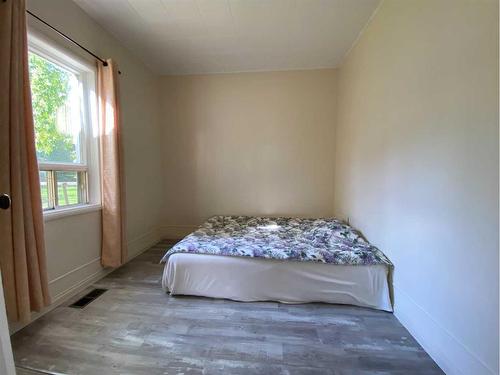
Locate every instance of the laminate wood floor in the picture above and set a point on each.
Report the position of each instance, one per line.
(135, 328)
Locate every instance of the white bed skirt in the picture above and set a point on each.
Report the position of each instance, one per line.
(250, 279)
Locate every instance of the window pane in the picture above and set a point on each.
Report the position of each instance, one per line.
(70, 188)
(44, 187)
(56, 111)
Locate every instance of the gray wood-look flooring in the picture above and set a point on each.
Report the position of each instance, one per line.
(25, 371)
(135, 328)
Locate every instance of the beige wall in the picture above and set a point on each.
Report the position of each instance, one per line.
(249, 143)
(73, 243)
(417, 168)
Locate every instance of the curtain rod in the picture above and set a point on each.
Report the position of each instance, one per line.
(104, 63)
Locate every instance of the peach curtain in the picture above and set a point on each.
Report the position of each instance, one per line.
(22, 249)
(114, 245)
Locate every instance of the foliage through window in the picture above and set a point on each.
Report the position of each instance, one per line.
(55, 110)
(61, 113)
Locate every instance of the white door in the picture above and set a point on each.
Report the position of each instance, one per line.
(6, 359)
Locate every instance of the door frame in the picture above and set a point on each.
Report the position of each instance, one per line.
(6, 357)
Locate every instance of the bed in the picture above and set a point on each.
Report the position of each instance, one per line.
(290, 260)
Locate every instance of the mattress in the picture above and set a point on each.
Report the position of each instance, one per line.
(291, 260)
(258, 279)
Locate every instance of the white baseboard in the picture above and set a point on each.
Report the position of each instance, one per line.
(59, 298)
(448, 352)
(73, 282)
(175, 231)
(143, 242)
(61, 284)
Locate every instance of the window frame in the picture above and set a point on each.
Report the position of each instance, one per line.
(89, 163)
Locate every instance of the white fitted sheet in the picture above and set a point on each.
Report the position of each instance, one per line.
(251, 279)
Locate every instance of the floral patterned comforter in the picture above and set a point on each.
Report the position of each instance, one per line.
(307, 240)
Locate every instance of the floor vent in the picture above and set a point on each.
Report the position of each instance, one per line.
(86, 299)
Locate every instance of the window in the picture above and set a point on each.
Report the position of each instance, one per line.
(63, 97)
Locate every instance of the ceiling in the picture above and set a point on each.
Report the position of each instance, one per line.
(216, 36)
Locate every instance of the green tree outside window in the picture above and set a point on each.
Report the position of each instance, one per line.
(49, 89)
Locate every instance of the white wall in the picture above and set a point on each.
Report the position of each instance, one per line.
(417, 168)
(73, 243)
(247, 143)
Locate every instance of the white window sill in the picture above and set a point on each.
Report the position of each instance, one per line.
(70, 211)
